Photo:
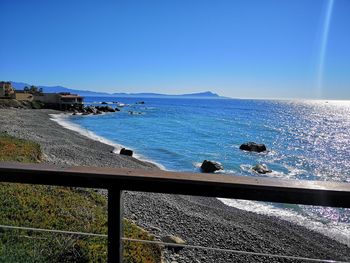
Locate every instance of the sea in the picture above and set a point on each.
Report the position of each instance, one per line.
(306, 140)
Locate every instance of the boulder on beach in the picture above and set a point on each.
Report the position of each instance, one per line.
(170, 239)
(253, 147)
(211, 166)
(261, 169)
(127, 152)
(116, 109)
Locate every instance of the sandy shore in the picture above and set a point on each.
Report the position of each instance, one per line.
(199, 221)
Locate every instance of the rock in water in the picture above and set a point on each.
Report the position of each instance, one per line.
(253, 147)
(126, 152)
(210, 166)
(109, 109)
(261, 169)
(173, 240)
(91, 109)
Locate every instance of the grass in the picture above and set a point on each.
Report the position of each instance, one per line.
(13, 149)
(137, 252)
(62, 208)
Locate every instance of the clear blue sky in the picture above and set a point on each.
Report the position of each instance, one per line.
(242, 48)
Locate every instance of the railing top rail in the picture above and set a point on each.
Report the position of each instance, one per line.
(241, 187)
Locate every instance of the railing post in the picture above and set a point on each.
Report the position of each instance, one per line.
(115, 222)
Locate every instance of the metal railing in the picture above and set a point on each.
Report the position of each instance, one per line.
(73, 235)
(212, 185)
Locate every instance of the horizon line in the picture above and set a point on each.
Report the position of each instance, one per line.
(192, 92)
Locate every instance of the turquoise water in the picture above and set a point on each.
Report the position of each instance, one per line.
(305, 139)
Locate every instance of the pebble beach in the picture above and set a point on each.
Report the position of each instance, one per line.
(200, 221)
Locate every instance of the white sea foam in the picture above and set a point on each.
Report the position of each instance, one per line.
(64, 120)
(337, 231)
(197, 164)
(334, 230)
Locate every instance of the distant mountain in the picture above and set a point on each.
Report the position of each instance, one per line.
(87, 93)
(206, 94)
(56, 89)
(202, 94)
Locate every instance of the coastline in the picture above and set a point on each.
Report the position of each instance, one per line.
(63, 120)
(198, 220)
(63, 147)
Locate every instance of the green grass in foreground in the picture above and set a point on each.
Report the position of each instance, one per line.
(13, 149)
(63, 208)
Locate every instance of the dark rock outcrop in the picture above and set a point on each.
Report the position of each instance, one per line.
(96, 110)
(253, 147)
(91, 109)
(110, 109)
(127, 152)
(261, 169)
(210, 166)
(105, 108)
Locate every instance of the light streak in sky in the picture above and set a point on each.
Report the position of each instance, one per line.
(323, 47)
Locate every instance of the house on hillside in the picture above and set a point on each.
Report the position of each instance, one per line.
(6, 90)
(62, 101)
